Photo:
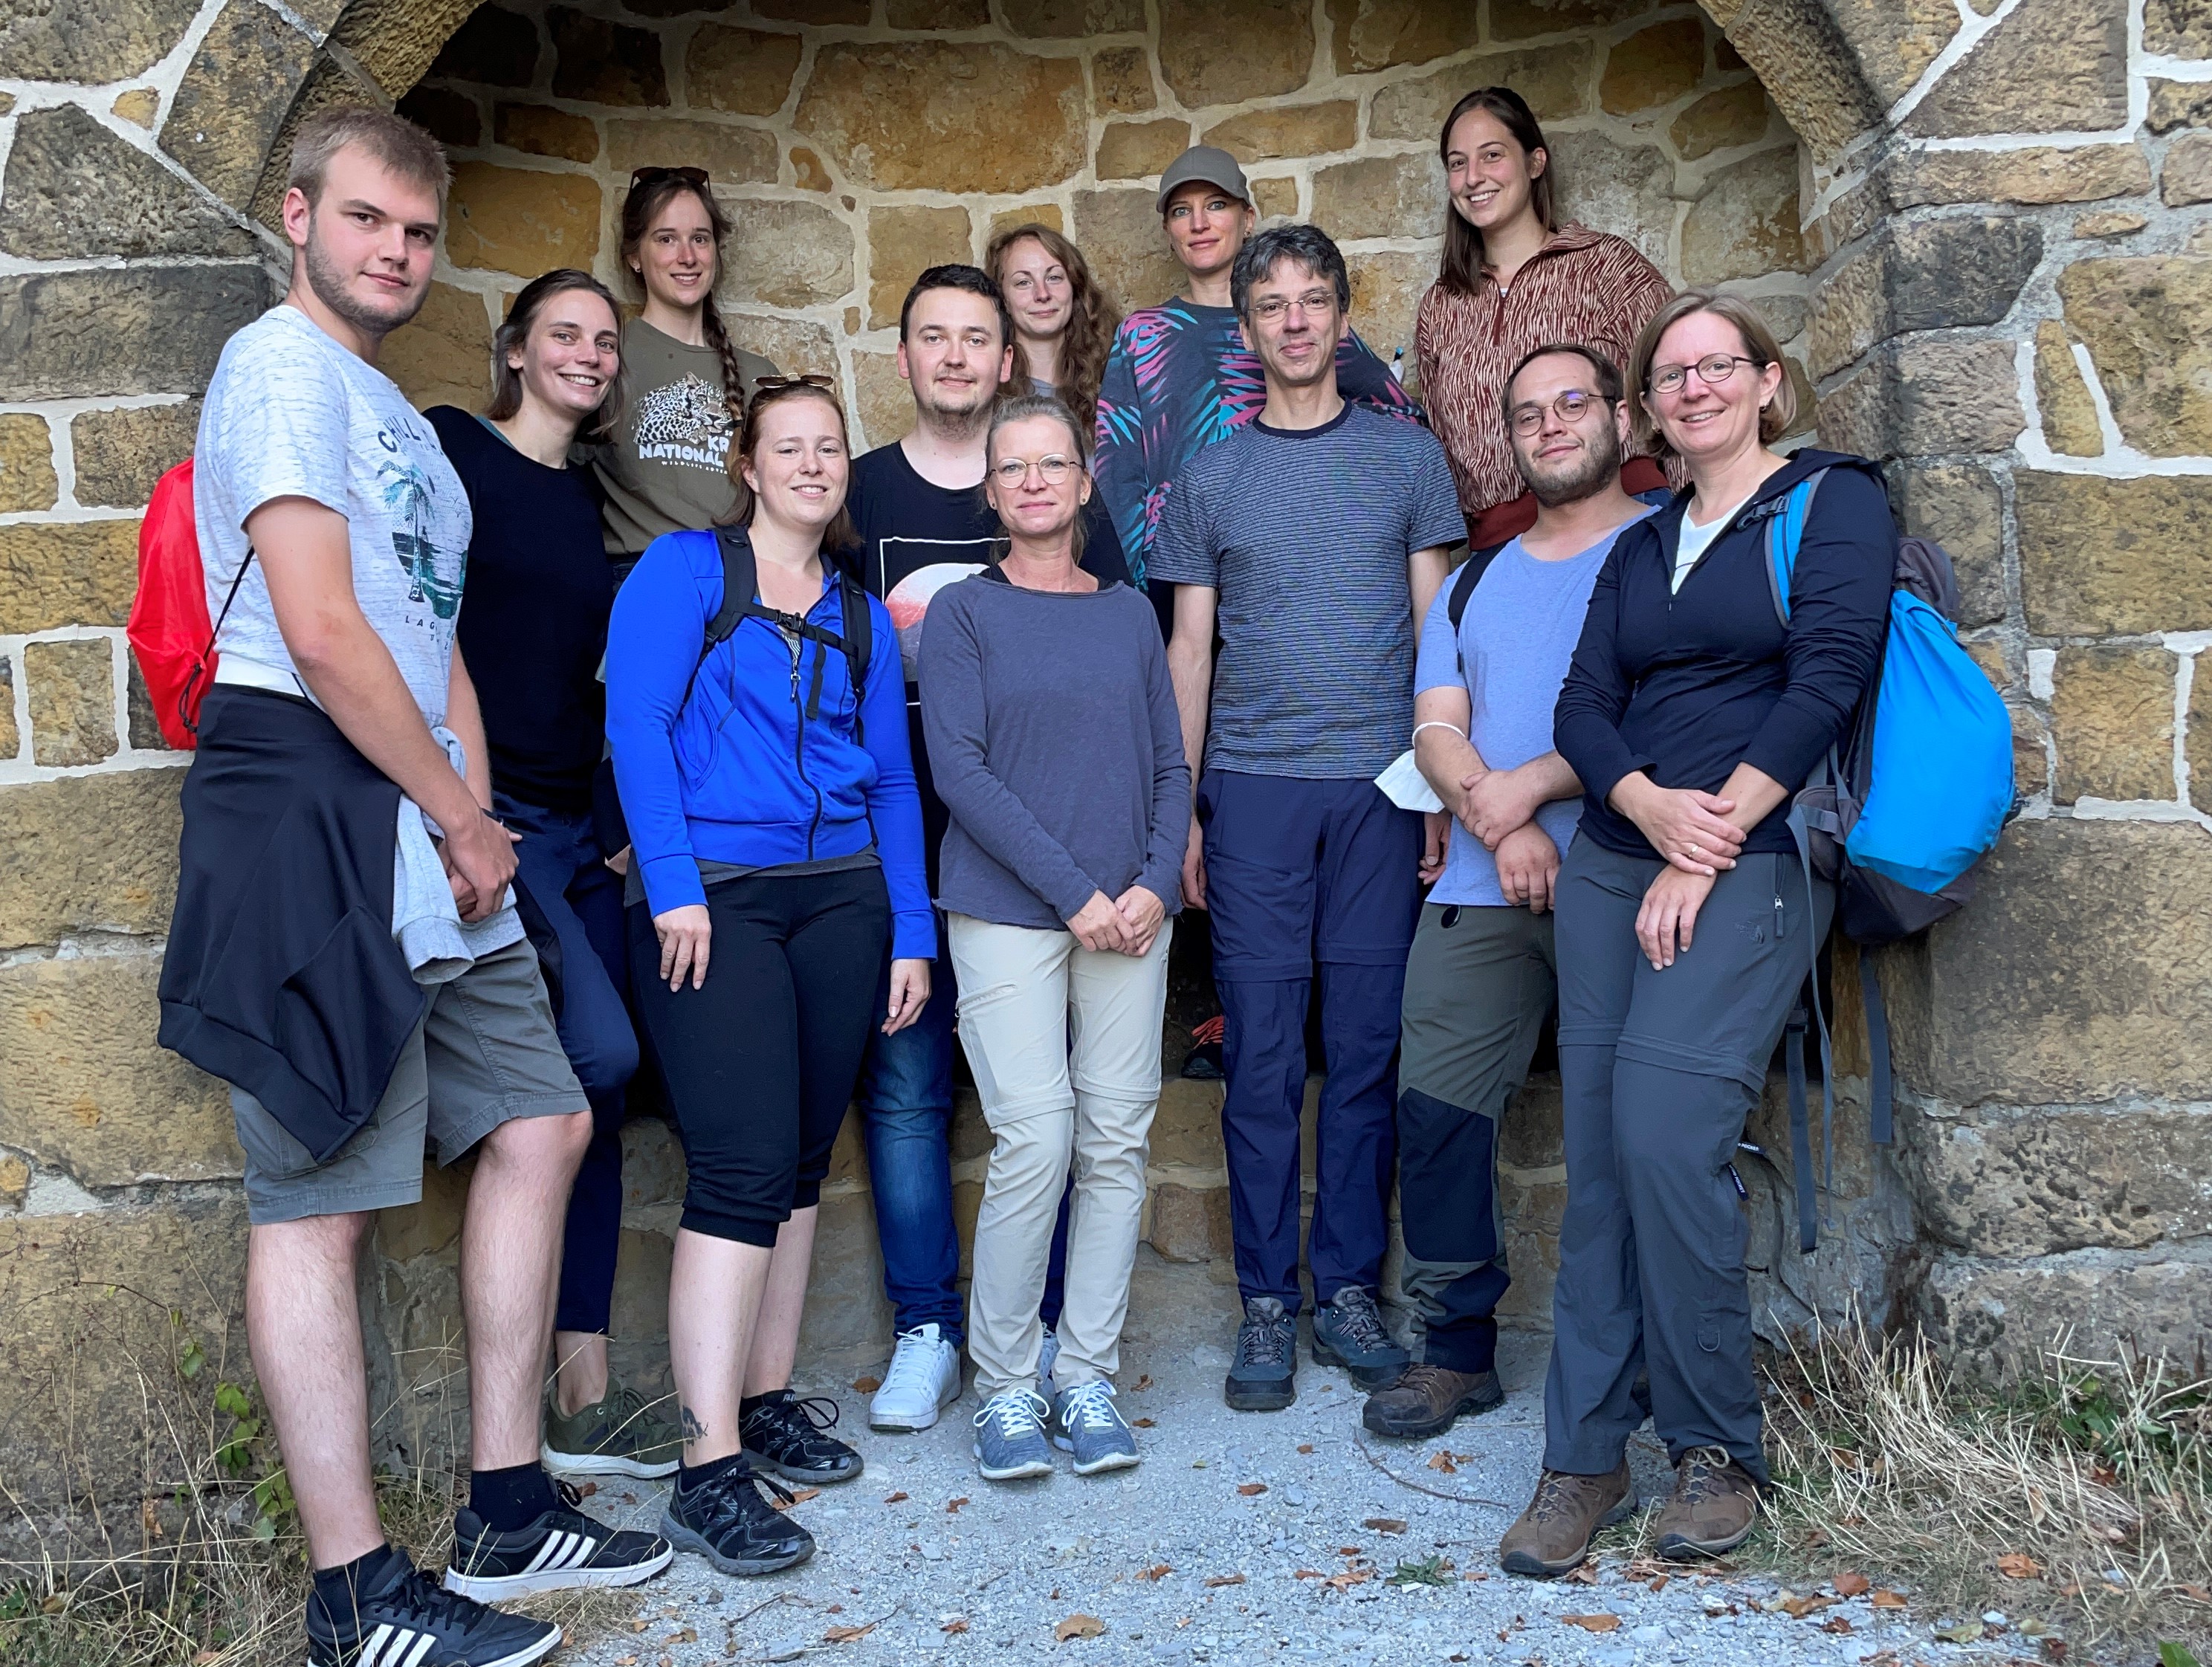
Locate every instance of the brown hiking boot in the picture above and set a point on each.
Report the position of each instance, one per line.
(1428, 1399)
(1714, 1504)
(1553, 1533)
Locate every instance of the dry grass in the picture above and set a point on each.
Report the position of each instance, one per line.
(2083, 1492)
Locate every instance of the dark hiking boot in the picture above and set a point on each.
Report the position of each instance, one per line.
(1712, 1508)
(1554, 1533)
(791, 1438)
(1263, 1377)
(1428, 1400)
(1348, 1332)
(729, 1523)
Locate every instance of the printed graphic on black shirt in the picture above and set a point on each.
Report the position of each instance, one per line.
(685, 421)
(912, 571)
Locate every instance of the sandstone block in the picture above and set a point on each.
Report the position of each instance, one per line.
(2196, 742)
(1746, 224)
(1375, 34)
(1186, 1128)
(795, 346)
(431, 1227)
(2113, 222)
(14, 1182)
(73, 189)
(2051, 66)
(2113, 558)
(11, 739)
(1894, 40)
(2178, 104)
(2140, 320)
(2179, 26)
(1386, 294)
(1026, 213)
(746, 72)
(450, 117)
(938, 14)
(1532, 1211)
(603, 63)
(809, 172)
(1555, 80)
(1653, 67)
(969, 1137)
(788, 254)
(1995, 1320)
(1380, 197)
(544, 131)
(1959, 509)
(1924, 275)
(1628, 189)
(27, 464)
(443, 357)
(494, 47)
(1066, 19)
(521, 220)
(731, 155)
(2031, 766)
(1224, 51)
(918, 114)
(72, 688)
(1119, 231)
(1920, 397)
(2070, 416)
(122, 452)
(69, 572)
(1530, 1139)
(234, 98)
(902, 243)
(847, 1321)
(1275, 199)
(90, 41)
(91, 1341)
(1121, 82)
(2187, 176)
(1190, 1225)
(2035, 175)
(883, 403)
(2111, 710)
(1734, 116)
(1803, 61)
(1138, 150)
(2011, 1001)
(147, 330)
(639, 1310)
(1288, 130)
(87, 853)
(1519, 20)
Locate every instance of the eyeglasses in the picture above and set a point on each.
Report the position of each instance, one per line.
(1055, 469)
(652, 175)
(1572, 406)
(1314, 300)
(1712, 369)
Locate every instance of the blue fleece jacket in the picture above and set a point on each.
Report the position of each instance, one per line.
(1688, 684)
(741, 774)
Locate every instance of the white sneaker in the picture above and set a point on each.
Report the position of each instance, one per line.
(922, 1380)
(1046, 1356)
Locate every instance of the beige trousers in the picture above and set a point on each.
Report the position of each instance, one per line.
(1065, 1043)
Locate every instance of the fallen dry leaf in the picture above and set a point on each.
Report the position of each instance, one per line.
(2194, 1593)
(958, 1623)
(799, 1497)
(866, 1386)
(1347, 1551)
(1157, 1572)
(1836, 1623)
(1079, 1626)
(1140, 1423)
(1144, 1382)
(1966, 1632)
(1583, 1574)
(1851, 1585)
(1659, 1584)
(894, 1499)
(848, 1634)
(1225, 1580)
(1798, 1608)
(1441, 1460)
(1816, 1537)
(587, 1489)
(2019, 1566)
(1593, 1623)
(1887, 1599)
(1309, 1574)
(1385, 1525)
(1349, 1578)
(1251, 1489)
(953, 1506)
(640, 1624)
(620, 1661)
(1305, 1447)
(688, 1635)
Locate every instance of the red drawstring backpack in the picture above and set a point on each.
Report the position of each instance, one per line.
(168, 629)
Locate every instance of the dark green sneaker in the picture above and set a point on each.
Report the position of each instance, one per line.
(622, 1435)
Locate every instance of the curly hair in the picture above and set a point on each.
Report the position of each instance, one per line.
(1092, 320)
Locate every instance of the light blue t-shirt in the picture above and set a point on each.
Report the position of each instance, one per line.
(1516, 640)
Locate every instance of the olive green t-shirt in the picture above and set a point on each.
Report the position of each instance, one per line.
(666, 468)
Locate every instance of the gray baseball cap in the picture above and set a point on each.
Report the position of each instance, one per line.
(1209, 165)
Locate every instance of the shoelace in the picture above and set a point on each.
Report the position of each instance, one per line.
(1421, 1377)
(1701, 1474)
(735, 1494)
(1264, 1341)
(1017, 1412)
(1091, 1406)
(799, 1422)
(1356, 1309)
(911, 1362)
(1554, 1495)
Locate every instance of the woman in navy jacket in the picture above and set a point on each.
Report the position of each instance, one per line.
(778, 846)
(1691, 716)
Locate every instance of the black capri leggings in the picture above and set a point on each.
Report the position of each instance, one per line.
(761, 1060)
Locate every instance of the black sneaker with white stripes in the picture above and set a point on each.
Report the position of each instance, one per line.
(409, 1622)
(563, 1549)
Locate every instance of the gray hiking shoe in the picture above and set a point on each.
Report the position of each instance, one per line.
(1010, 1442)
(1086, 1422)
(1263, 1378)
(1348, 1332)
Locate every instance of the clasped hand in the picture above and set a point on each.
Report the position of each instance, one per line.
(1689, 828)
(1127, 924)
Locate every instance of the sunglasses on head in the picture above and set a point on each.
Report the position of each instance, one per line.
(776, 385)
(654, 176)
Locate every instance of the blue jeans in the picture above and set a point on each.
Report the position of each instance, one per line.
(558, 864)
(906, 1102)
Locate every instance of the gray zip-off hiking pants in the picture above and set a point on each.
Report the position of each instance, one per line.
(1660, 1069)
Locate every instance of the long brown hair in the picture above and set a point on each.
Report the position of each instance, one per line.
(640, 208)
(514, 332)
(1092, 319)
(1758, 346)
(1462, 272)
(840, 536)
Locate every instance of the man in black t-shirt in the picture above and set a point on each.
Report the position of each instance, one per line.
(924, 524)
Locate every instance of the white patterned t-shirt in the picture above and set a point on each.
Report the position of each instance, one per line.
(292, 414)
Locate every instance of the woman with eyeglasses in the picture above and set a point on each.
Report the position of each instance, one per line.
(1514, 276)
(1054, 740)
(760, 742)
(1686, 921)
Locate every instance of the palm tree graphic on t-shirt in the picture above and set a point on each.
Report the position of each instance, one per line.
(407, 494)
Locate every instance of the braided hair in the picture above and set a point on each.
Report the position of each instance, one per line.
(640, 208)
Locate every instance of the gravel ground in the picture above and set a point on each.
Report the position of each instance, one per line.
(1242, 1537)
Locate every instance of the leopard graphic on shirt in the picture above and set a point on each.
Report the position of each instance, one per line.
(685, 421)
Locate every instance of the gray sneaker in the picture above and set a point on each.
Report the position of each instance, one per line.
(1348, 1332)
(1010, 1440)
(1086, 1422)
(1263, 1378)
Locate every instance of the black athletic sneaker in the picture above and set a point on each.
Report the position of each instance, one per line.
(563, 1549)
(729, 1523)
(791, 1438)
(409, 1621)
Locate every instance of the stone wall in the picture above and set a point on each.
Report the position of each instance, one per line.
(2000, 204)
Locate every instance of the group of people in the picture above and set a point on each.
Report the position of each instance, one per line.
(764, 771)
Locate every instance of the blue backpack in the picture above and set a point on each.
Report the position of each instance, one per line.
(1900, 813)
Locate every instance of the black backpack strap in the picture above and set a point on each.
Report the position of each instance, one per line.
(1462, 590)
(740, 578)
(1800, 1133)
(859, 643)
(191, 681)
(1881, 1110)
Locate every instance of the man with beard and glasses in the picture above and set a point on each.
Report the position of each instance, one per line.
(1482, 975)
(919, 505)
(345, 950)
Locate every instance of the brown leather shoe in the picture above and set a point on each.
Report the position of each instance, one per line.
(1554, 1533)
(1428, 1399)
(1712, 1508)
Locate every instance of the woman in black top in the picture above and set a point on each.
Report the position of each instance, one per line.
(1691, 714)
(537, 593)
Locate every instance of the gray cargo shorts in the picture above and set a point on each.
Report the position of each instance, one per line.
(485, 1052)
